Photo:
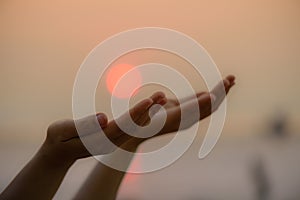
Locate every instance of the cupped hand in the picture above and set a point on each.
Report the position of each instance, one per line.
(205, 102)
(64, 144)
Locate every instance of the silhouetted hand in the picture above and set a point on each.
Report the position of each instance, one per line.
(205, 102)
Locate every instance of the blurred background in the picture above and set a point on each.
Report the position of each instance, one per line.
(43, 44)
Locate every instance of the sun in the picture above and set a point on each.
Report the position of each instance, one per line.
(121, 85)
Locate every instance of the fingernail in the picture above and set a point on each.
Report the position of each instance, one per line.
(101, 119)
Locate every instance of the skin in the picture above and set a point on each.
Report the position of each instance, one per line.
(94, 186)
(41, 177)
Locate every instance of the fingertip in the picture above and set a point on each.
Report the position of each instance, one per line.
(230, 78)
(162, 101)
(102, 119)
(226, 83)
(161, 94)
(157, 95)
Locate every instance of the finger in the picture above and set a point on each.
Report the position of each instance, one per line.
(143, 117)
(113, 131)
(162, 101)
(102, 119)
(187, 114)
(159, 99)
(228, 82)
(204, 103)
(154, 109)
(231, 79)
(206, 106)
(183, 100)
(140, 109)
(171, 103)
(220, 91)
(174, 102)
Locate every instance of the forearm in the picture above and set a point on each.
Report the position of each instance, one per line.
(103, 182)
(39, 179)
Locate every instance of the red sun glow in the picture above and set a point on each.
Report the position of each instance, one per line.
(123, 86)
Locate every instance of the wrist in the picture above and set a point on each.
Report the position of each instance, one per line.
(50, 157)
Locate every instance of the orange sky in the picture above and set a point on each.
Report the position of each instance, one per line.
(43, 44)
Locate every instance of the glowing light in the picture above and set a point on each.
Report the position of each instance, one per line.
(128, 84)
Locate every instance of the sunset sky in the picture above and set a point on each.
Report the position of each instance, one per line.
(43, 44)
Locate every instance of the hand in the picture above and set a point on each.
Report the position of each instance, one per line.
(63, 143)
(95, 188)
(63, 140)
(207, 102)
(42, 176)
